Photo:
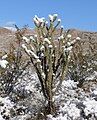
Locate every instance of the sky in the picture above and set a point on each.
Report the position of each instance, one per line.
(77, 14)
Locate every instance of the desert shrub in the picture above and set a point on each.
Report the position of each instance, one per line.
(49, 59)
(83, 63)
(15, 68)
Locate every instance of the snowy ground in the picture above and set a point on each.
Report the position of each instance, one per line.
(73, 103)
(76, 104)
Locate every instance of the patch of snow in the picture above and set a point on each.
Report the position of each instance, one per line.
(59, 20)
(46, 22)
(47, 40)
(95, 91)
(29, 51)
(35, 35)
(51, 17)
(55, 15)
(61, 37)
(32, 38)
(3, 63)
(24, 46)
(95, 73)
(6, 101)
(92, 76)
(1, 118)
(62, 26)
(4, 56)
(68, 49)
(78, 38)
(38, 20)
(71, 110)
(69, 83)
(43, 74)
(69, 36)
(72, 42)
(60, 117)
(50, 46)
(68, 43)
(7, 105)
(42, 55)
(38, 61)
(91, 107)
(26, 39)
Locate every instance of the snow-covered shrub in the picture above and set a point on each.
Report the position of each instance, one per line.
(12, 68)
(82, 64)
(5, 106)
(50, 61)
(90, 107)
(12, 111)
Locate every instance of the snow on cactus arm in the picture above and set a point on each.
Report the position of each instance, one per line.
(46, 40)
(51, 18)
(61, 37)
(26, 39)
(68, 49)
(29, 52)
(66, 55)
(38, 21)
(32, 38)
(55, 17)
(78, 38)
(69, 36)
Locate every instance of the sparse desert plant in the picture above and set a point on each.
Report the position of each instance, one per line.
(83, 63)
(13, 69)
(49, 59)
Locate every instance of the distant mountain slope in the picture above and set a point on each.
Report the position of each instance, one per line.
(7, 36)
(4, 31)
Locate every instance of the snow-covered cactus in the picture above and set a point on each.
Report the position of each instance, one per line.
(49, 59)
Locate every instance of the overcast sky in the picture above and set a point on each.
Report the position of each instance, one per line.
(78, 14)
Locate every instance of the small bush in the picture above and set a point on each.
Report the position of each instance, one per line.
(82, 64)
(14, 69)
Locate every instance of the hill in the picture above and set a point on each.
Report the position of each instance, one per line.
(7, 36)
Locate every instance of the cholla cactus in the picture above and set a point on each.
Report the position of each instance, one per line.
(50, 61)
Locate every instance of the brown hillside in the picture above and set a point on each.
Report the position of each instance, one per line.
(7, 36)
(4, 31)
